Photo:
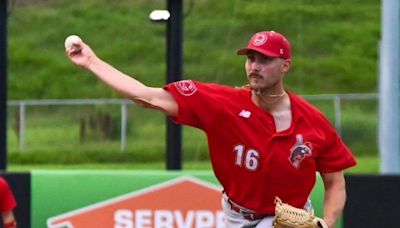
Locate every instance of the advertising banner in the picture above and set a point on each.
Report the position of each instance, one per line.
(129, 199)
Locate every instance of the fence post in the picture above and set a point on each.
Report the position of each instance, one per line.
(123, 125)
(22, 126)
(338, 114)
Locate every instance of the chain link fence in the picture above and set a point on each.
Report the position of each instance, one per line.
(119, 125)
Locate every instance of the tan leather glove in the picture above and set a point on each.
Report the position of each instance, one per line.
(287, 216)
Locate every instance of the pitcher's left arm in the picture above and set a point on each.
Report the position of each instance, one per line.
(335, 196)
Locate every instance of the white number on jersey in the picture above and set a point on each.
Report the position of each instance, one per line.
(250, 157)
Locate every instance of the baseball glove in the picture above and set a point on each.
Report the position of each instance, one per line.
(287, 216)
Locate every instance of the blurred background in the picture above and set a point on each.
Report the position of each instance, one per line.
(73, 144)
(60, 116)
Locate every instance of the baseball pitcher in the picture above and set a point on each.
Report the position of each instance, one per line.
(265, 143)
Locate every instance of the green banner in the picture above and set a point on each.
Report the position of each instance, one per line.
(60, 197)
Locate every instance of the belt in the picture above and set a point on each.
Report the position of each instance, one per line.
(246, 213)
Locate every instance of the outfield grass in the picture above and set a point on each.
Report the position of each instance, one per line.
(52, 135)
(108, 166)
(366, 165)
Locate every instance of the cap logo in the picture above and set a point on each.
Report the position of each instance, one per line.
(259, 39)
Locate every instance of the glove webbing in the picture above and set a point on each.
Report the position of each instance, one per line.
(289, 214)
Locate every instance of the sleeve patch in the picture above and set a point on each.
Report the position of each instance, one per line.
(185, 87)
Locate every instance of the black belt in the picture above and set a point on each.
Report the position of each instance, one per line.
(246, 213)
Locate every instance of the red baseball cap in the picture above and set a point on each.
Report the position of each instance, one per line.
(269, 43)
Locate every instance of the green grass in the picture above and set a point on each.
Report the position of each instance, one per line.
(108, 166)
(53, 135)
(335, 43)
(366, 165)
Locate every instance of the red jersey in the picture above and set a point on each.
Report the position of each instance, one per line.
(252, 161)
(7, 200)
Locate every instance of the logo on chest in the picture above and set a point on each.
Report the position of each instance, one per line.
(299, 151)
(245, 114)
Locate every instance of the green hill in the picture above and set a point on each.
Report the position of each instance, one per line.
(334, 43)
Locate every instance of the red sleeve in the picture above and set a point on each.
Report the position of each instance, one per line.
(197, 102)
(7, 200)
(335, 156)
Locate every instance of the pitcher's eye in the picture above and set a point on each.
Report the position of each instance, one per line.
(251, 58)
(266, 59)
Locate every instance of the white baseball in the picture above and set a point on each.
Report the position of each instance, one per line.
(71, 41)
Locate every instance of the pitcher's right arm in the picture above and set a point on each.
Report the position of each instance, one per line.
(150, 97)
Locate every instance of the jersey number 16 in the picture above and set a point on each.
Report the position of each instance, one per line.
(247, 157)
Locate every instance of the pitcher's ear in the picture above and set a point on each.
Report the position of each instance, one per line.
(286, 65)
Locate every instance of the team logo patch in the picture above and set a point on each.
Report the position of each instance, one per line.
(260, 39)
(185, 87)
(299, 151)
